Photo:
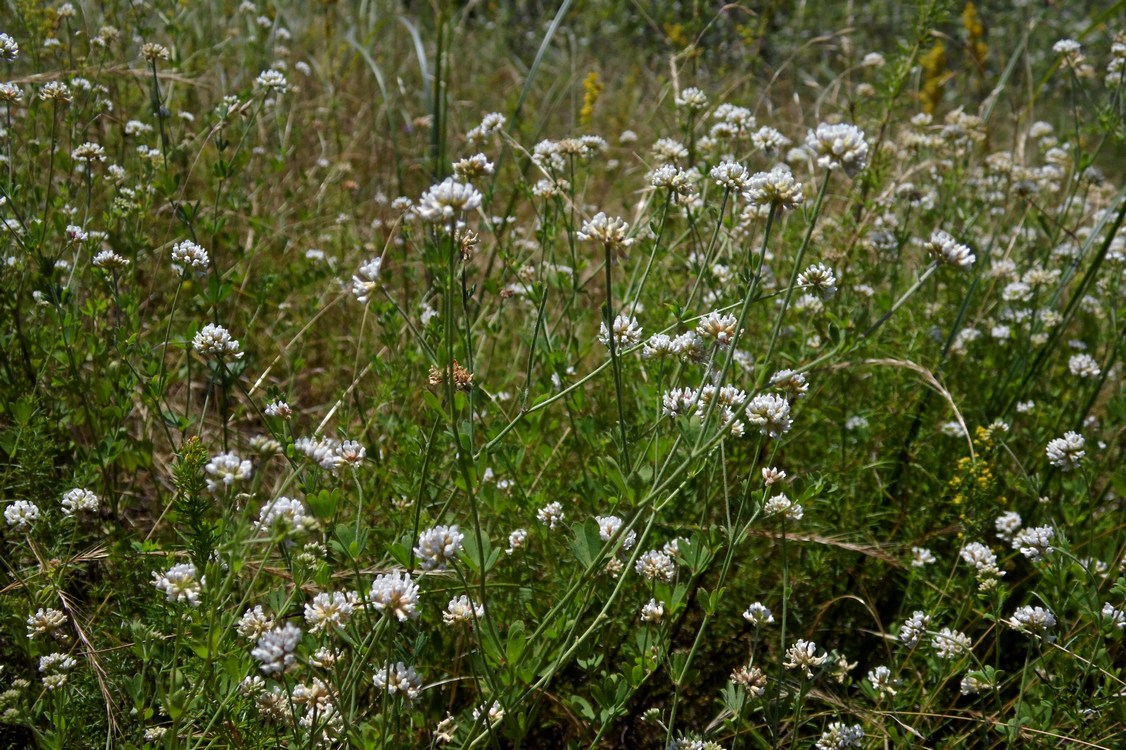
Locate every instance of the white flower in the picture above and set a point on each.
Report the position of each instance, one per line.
(225, 469)
(328, 610)
(771, 413)
(780, 505)
(1035, 543)
(477, 165)
(364, 282)
(882, 681)
(54, 667)
(46, 621)
(717, 327)
(691, 98)
(254, 623)
(516, 541)
(656, 565)
(914, 628)
(771, 475)
(1113, 615)
(278, 409)
(921, 556)
(839, 736)
(1067, 452)
(89, 152)
(608, 528)
(1034, 620)
(840, 145)
(660, 346)
(462, 609)
(180, 584)
(950, 644)
(494, 713)
(109, 260)
(444, 202)
(1007, 524)
(611, 232)
(819, 278)
(187, 255)
(272, 80)
(731, 176)
(215, 341)
(21, 514)
(79, 500)
(399, 678)
(1083, 366)
(9, 49)
(274, 652)
(982, 558)
(793, 383)
(945, 249)
(324, 451)
(973, 683)
(774, 188)
(802, 655)
(627, 332)
(653, 611)
(758, 615)
(437, 546)
(396, 593)
(551, 514)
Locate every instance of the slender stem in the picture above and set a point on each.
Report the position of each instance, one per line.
(793, 278)
(616, 364)
(902, 300)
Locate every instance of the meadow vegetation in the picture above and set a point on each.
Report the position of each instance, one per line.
(583, 375)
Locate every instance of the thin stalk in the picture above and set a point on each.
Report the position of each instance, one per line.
(794, 277)
(614, 357)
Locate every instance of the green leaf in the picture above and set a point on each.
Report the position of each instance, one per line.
(586, 543)
(516, 642)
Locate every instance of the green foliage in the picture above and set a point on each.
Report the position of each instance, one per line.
(260, 366)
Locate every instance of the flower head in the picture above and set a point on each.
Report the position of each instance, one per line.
(776, 188)
(215, 341)
(272, 80)
(771, 413)
(611, 232)
(79, 500)
(437, 546)
(840, 145)
(275, 649)
(1035, 621)
(396, 594)
(445, 202)
(21, 514)
(1066, 453)
(180, 584)
(803, 655)
(187, 255)
(945, 249)
(364, 282)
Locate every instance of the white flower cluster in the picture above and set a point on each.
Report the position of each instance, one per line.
(188, 256)
(396, 594)
(945, 249)
(215, 341)
(180, 584)
(438, 546)
(275, 649)
(627, 332)
(286, 513)
(399, 678)
(225, 469)
(1066, 453)
(836, 146)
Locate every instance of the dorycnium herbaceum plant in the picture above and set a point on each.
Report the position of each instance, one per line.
(578, 375)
